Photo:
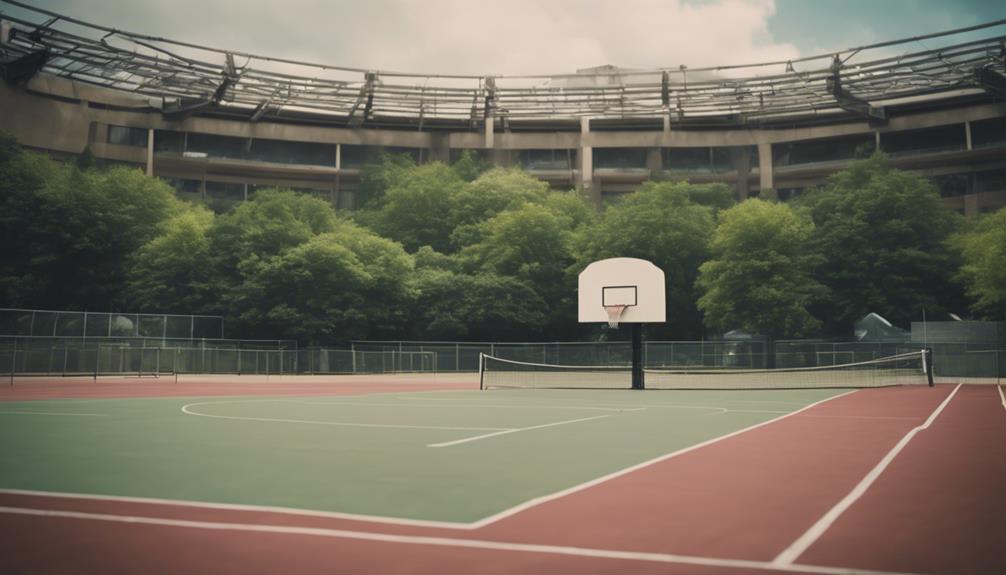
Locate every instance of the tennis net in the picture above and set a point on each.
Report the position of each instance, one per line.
(903, 369)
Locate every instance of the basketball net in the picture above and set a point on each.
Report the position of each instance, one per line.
(614, 312)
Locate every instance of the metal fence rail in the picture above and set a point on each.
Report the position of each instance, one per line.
(106, 359)
(56, 357)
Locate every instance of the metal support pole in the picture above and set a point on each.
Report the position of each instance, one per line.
(637, 356)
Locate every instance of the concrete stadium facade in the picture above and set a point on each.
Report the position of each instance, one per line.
(221, 151)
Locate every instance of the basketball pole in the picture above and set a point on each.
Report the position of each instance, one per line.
(637, 356)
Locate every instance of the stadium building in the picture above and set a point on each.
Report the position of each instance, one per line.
(220, 124)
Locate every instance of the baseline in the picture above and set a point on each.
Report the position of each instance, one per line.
(479, 544)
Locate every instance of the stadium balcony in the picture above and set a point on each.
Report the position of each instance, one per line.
(191, 115)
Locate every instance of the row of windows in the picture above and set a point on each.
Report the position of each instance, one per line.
(984, 134)
(222, 196)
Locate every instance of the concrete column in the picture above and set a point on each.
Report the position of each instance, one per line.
(490, 124)
(150, 151)
(765, 166)
(440, 150)
(967, 136)
(742, 165)
(338, 157)
(586, 163)
(654, 161)
(972, 205)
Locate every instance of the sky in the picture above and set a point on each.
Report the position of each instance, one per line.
(517, 37)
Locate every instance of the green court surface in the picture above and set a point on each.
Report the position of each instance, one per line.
(392, 455)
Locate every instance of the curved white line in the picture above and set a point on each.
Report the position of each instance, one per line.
(187, 410)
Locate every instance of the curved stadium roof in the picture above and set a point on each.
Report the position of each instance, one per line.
(181, 79)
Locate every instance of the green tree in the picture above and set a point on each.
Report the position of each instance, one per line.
(883, 235)
(533, 243)
(663, 225)
(68, 233)
(983, 273)
(269, 223)
(170, 272)
(468, 167)
(377, 177)
(760, 278)
(334, 287)
(497, 190)
(481, 306)
(420, 209)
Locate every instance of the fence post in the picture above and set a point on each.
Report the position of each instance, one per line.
(13, 362)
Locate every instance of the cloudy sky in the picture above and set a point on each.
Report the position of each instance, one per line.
(531, 36)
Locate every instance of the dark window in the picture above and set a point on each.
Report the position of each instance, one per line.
(284, 152)
(687, 159)
(926, 141)
(354, 157)
(123, 136)
(786, 194)
(545, 159)
(840, 149)
(169, 142)
(952, 185)
(190, 190)
(620, 158)
(991, 181)
(222, 196)
(988, 133)
(213, 146)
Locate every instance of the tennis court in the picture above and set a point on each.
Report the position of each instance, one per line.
(430, 474)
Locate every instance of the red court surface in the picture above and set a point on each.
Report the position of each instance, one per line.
(933, 503)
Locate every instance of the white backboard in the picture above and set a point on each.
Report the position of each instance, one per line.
(634, 283)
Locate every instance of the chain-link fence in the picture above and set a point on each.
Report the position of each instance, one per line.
(62, 356)
(83, 324)
(105, 358)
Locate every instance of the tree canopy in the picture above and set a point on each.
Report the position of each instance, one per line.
(983, 273)
(882, 234)
(760, 277)
(460, 252)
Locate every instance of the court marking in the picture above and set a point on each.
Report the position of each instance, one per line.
(187, 409)
(480, 544)
(809, 537)
(1001, 396)
(60, 413)
(625, 471)
(505, 432)
(455, 405)
(488, 520)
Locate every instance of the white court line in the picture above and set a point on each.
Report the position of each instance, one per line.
(455, 405)
(420, 522)
(1001, 396)
(505, 432)
(51, 413)
(605, 478)
(187, 409)
(793, 552)
(448, 542)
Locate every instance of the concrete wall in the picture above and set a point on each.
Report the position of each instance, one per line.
(62, 116)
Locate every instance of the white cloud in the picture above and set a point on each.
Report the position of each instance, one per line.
(509, 37)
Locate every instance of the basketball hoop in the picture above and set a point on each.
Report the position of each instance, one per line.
(614, 312)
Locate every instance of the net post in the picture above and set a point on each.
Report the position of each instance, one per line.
(13, 362)
(482, 370)
(927, 364)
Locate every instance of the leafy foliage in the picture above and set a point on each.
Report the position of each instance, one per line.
(760, 278)
(659, 223)
(983, 249)
(883, 236)
(68, 234)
